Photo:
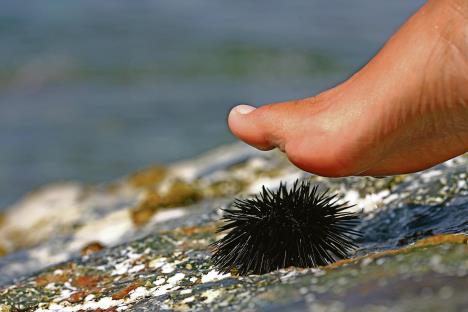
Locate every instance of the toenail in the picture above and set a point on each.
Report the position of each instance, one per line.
(244, 109)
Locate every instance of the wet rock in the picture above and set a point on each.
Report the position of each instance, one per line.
(91, 248)
(412, 256)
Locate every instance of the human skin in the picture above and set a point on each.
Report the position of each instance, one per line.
(405, 111)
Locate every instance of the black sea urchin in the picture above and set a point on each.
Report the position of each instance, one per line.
(276, 229)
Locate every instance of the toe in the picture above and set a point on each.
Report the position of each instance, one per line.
(261, 127)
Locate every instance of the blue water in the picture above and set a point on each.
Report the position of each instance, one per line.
(92, 90)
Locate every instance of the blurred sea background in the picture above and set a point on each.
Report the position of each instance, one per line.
(93, 90)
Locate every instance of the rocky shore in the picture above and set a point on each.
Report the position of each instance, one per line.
(142, 243)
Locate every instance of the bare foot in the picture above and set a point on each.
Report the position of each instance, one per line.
(405, 111)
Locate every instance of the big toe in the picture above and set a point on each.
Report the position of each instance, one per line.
(263, 127)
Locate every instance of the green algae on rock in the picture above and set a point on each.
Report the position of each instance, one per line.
(148, 178)
(179, 193)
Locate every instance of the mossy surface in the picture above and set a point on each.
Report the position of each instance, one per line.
(179, 194)
(148, 178)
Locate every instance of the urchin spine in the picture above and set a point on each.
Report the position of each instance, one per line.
(276, 229)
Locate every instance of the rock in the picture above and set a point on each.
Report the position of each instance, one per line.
(91, 248)
(412, 255)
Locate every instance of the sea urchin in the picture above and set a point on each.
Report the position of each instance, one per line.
(276, 229)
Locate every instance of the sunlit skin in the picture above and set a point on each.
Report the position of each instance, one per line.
(405, 111)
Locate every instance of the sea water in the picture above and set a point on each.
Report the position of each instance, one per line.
(93, 90)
